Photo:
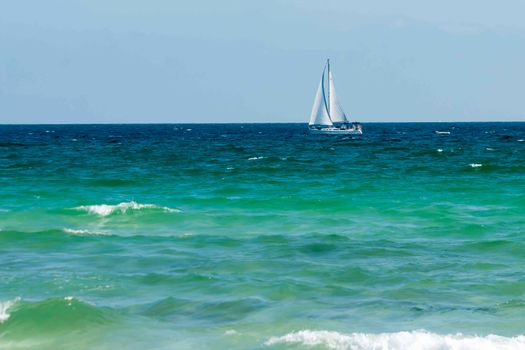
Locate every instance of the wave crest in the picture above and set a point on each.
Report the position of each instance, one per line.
(81, 232)
(124, 207)
(67, 313)
(4, 308)
(398, 341)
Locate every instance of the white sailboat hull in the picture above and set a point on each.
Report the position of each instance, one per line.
(336, 131)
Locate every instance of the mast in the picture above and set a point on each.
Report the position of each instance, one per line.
(329, 111)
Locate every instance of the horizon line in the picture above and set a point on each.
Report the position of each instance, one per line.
(262, 122)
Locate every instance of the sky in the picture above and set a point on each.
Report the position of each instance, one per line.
(209, 61)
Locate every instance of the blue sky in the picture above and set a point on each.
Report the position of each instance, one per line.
(70, 61)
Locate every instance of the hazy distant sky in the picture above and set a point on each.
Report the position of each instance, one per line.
(70, 61)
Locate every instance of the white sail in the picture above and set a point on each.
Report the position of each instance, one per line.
(337, 115)
(319, 114)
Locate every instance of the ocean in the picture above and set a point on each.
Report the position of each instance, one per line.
(261, 236)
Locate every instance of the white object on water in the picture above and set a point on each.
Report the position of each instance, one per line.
(327, 115)
(442, 132)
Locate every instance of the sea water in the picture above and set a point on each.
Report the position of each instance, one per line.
(261, 236)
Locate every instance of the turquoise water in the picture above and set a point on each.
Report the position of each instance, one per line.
(262, 237)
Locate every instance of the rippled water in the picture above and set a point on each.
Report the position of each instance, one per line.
(262, 237)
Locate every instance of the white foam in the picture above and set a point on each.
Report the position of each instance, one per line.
(439, 150)
(4, 308)
(81, 232)
(414, 340)
(231, 332)
(106, 209)
(255, 158)
(475, 165)
(520, 140)
(442, 132)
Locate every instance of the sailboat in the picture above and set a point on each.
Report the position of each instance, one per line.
(327, 115)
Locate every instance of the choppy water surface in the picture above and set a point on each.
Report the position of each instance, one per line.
(262, 237)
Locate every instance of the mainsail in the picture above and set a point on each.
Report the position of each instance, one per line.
(319, 114)
(337, 115)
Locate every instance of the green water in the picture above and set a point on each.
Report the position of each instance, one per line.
(262, 237)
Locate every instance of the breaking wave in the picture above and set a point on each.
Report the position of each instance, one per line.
(67, 313)
(4, 308)
(82, 232)
(122, 208)
(414, 340)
